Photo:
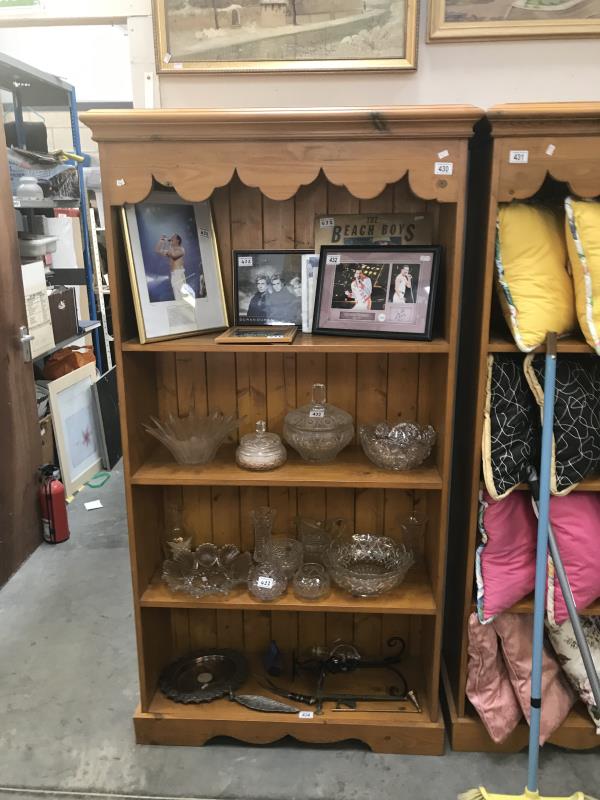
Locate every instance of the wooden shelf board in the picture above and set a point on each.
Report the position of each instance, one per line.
(525, 606)
(303, 343)
(591, 484)
(414, 596)
(166, 722)
(568, 344)
(351, 469)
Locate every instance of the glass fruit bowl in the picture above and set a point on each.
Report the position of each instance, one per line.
(398, 447)
(194, 439)
(365, 564)
(318, 431)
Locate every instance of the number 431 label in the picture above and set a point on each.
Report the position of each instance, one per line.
(518, 157)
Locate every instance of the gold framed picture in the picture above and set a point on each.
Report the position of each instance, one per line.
(258, 334)
(284, 35)
(464, 20)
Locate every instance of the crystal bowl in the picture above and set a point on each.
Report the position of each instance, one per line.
(267, 582)
(365, 564)
(311, 582)
(207, 570)
(399, 447)
(194, 439)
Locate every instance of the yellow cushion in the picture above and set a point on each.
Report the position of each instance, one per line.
(583, 244)
(534, 287)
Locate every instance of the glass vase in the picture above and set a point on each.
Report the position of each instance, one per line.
(262, 520)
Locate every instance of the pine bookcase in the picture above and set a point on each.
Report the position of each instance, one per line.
(562, 146)
(267, 174)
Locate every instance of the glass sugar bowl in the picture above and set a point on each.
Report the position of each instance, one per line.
(311, 582)
(267, 582)
(318, 431)
(261, 451)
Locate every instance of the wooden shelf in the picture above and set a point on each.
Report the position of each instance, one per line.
(568, 344)
(409, 731)
(414, 596)
(303, 343)
(351, 469)
(591, 484)
(525, 606)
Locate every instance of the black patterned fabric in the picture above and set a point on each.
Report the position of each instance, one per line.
(511, 428)
(576, 450)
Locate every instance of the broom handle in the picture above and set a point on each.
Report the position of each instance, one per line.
(541, 563)
(584, 648)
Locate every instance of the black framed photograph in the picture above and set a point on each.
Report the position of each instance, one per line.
(268, 286)
(386, 292)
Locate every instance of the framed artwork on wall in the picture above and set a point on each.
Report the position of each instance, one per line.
(284, 35)
(464, 20)
(75, 426)
(174, 267)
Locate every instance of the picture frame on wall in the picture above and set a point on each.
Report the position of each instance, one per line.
(464, 20)
(268, 287)
(382, 292)
(174, 267)
(379, 229)
(285, 35)
(75, 425)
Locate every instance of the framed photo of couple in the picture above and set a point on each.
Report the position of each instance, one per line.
(386, 292)
(174, 267)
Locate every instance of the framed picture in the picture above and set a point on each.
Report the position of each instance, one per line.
(512, 19)
(284, 35)
(268, 286)
(174, 267)
(378, 229)
(75, 428)
(244, 334)
(310, 270)
(377, 291)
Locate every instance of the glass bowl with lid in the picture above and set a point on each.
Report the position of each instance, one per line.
(318, 431)
(261, 451)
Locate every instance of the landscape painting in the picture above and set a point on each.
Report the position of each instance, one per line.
(494, 19)
(289, 35)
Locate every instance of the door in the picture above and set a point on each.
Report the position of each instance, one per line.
(20, 440)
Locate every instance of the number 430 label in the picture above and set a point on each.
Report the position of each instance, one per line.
(443, 168)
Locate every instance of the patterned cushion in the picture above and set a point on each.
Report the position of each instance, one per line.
(576, 446)
(564, 643)
(583, 244)
(511, 426)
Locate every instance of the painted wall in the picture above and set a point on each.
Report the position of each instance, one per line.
(481, 73)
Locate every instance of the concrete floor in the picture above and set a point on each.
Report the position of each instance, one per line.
(68, 687)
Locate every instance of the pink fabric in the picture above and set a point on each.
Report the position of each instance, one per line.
(516, 632)
(575, 520)
(488, 686)
(506, 563)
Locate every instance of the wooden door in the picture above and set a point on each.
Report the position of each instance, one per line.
(20, 441)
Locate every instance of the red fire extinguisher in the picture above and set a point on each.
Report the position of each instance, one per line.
(54, 507)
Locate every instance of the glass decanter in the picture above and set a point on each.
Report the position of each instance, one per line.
(262, 520)
(318, 431)
(261, 450)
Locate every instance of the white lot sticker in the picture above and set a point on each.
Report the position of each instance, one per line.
(16, 202)
(306, 714)
(333, 259)
(443, 154)
(327, 222)
(443, 168)
(167, 58)
(120, 181)
(203, 233)
(245, 261)
(518, 157)
(264, 582)
(424, 258)
(550, 149)
(319, 413)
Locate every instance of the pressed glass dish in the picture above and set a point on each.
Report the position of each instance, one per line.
(261, 451)
(365, 564)
(398, 447)
(318, 431)
(194, 439)
(207, 570)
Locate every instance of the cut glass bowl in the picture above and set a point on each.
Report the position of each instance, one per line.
(365, 564)
(399, 447)
(194, 439)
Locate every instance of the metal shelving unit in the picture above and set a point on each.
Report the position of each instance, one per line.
(31, 88)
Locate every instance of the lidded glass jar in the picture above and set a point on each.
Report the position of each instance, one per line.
(318, 431)
(261, 451)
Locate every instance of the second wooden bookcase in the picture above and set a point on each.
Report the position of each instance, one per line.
(267, 174)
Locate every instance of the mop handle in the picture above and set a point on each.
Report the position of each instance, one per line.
(541, 562)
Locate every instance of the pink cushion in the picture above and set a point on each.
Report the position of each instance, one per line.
(488, 686)
(505, 561)
(576, 523)
(515, 632)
